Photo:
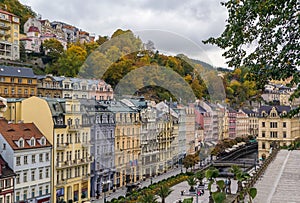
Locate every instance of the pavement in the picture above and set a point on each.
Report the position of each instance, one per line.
(281, 180)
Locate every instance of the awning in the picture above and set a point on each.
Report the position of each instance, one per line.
(43, 197)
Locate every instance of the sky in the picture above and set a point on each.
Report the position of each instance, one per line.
(175, 26)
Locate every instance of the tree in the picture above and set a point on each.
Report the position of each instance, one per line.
(190, 160)
(192, 182)
(164, 192)
(149, 198)
(53, 49)
(242, 176)
(69, 63)
(200, 175)
(271, 29)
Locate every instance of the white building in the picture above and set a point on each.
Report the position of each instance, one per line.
(28, 153)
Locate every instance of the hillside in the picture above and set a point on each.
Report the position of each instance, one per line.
(15, 7)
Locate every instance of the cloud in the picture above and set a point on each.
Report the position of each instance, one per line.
(194, 19)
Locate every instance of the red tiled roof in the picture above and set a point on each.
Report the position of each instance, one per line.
(8, 13)
(33, 29)
(13, 132)
(25, 39)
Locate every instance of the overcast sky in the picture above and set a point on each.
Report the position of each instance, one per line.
(181, 25)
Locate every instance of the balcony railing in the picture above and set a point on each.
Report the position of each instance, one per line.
(5, 27)
(74, 127)
(62, 146)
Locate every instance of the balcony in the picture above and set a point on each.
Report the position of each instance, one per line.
(86, 144)
(4, 27)
(62, 147)
(63, 164)
(61, 183)
(86, 177)
(75, 127)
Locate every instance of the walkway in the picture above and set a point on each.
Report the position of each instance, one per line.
(281, 181)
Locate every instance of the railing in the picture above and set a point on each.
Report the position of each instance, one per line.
(62, 146)
(74, 127)
(250, 183)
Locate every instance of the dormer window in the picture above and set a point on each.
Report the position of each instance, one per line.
(32, 142)
(43, 141)
(21, 142)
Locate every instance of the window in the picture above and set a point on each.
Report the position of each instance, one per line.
(47, 189)
(263, 145)
(41, 157)
(17, 196)
(273, 124)
(33, 175)
(284, 134)
(12, 80)
(284, 124)
(41, 173)
(263, 134)
(25, 160)
(25, 177)
(26, 91)
(32, 142)
(4, 146)
(273, 134)
(7, 199)
(263, 124)
(33, 158)
(47, 173)
(32, 192)
(18, 161)
(20, 80)
(21, 143)
(18, 178)
(5, 91)
(47, 157)
(32, 91)
(29, 81)
(40, 191)
(25, 195)
(12, 90)
(1, 183)
(7, 183)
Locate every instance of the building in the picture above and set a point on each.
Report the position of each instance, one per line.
(275, 129)
(103, 148)
(62, 125)
(231, 122)
(253, 122)
(49, 86)
(32, 42)
(167, 136)
(7, 177)
(9, 36)
(17, 82)
(127, 143)
(242, 124)
(28, 154)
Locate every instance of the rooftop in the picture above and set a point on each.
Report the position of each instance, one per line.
(16, 71)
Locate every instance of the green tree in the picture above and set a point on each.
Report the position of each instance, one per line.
(53, 49)
(271, 29)
(190, 160)
(200, 175)
(148, 198)
(69, 63)
(164, 192)
(192, 183)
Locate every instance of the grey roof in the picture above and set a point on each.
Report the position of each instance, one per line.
(279, 109)
(16, 72)
(200, 109)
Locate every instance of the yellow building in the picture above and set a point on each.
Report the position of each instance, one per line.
(127, 144)
(9, 36)
(60, 121)
(17, 82)
(275, 130)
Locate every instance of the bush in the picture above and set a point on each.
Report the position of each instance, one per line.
(188, 173)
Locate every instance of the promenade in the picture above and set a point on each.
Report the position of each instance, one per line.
(281, 180)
